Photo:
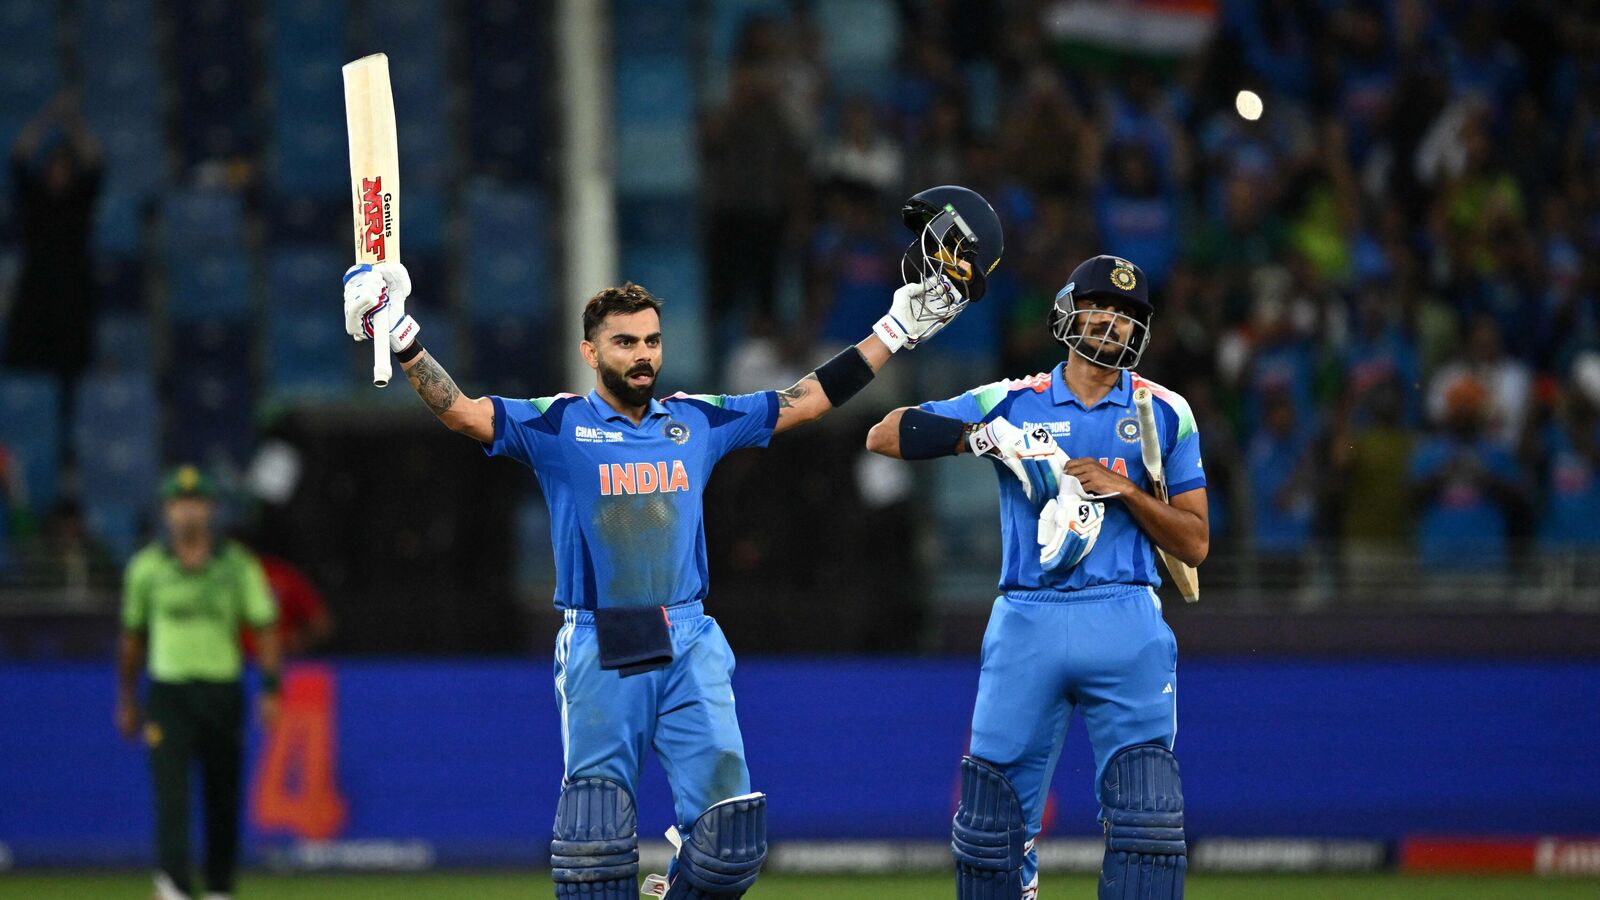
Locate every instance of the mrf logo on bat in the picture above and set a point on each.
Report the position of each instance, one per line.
(377, 209)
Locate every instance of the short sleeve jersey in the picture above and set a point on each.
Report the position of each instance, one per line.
(1109, 432)
(192, 617)
(626, 519)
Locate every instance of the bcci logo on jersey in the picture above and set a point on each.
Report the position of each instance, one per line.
(1128, 429)
(596, 435)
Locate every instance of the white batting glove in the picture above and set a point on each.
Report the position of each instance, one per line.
(1033, 455)
(918, 312)
(368, 289)
(1069, 525)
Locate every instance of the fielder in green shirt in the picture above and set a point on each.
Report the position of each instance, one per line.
(184, 602)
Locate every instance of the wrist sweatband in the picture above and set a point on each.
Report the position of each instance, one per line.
(924, 435)
(844, 376)
(409, 353)
(269, 682)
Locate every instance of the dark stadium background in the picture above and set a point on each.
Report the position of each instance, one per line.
(1394, 664)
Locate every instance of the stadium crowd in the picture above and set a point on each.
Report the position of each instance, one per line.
(1379, 296)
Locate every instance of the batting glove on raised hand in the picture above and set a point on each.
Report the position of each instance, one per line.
(371, 288)
(918, 312)
(1032, 455)
(1069, 525)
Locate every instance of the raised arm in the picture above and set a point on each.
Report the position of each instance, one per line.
(916, 313)
(806, 401)
(471, 416)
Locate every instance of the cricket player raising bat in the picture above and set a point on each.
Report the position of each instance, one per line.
(1077, 622)
(637, 663)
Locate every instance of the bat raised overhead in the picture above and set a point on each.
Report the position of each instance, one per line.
(374, 182)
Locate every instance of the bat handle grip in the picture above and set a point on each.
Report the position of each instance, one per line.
(382, 365)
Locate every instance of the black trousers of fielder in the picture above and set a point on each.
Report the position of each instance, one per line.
(197, 722)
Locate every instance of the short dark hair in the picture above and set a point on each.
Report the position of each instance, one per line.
(630, 298)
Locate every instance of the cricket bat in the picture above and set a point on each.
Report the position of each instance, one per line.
(374, 182)
(1183, 575)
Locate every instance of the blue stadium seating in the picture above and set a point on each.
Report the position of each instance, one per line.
(414, 31)
(506, 104)
(118, 225)
(515, 355)
(215, 115)
(307, 51)
(860, 59)
(29, 71)
(202, 221)
(650, 26)
(660, 159)
(122, 343)
(118, 525)
(655, 89)
(213, 413)
(210, 286)
(30, 427)
(122, 90)
(116, 433)
(507, 272)
(309, 354)
(306, 278)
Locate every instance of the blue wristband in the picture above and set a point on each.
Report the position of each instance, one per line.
(924, 435)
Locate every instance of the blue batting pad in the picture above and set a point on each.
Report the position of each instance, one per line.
(595, 853)
(988, 835)
(724, 852)
(1146, 856)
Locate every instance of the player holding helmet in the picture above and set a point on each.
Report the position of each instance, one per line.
(1077, 623)
(637, 663)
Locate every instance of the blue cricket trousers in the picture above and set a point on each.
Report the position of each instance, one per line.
(684, 710)
(1105, 650)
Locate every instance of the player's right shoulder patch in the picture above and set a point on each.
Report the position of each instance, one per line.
(991, 395)
(543, 404)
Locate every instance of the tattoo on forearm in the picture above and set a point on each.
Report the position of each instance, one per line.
(788, 398)
(433, 384)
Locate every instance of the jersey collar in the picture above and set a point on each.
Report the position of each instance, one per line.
(1061, 395)
(604, 410)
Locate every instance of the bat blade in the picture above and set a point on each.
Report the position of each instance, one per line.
(1183, 575)
(374, 181)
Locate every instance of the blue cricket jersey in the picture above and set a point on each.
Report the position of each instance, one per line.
(626, 519)
(1108, 432)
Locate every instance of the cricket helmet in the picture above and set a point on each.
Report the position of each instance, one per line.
(958, 236)
(1104, 278)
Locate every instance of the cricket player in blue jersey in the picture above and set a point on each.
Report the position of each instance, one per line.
(637, 662)
(1077, 623)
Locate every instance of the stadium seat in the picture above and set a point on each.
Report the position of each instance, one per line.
(118, 526)
(660, 159)
(305, 278)
(200, 220)
(122, 343)
(211, 286)
(506, 270)
(30, 427)
(654, 89)
(213, 413)
(116, 433)
(308, 355)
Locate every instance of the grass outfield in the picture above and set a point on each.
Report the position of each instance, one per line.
(507, 885)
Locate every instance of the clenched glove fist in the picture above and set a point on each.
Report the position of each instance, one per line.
(1069, 525)
(918, 312)
(369, 289)
(1032, 455)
